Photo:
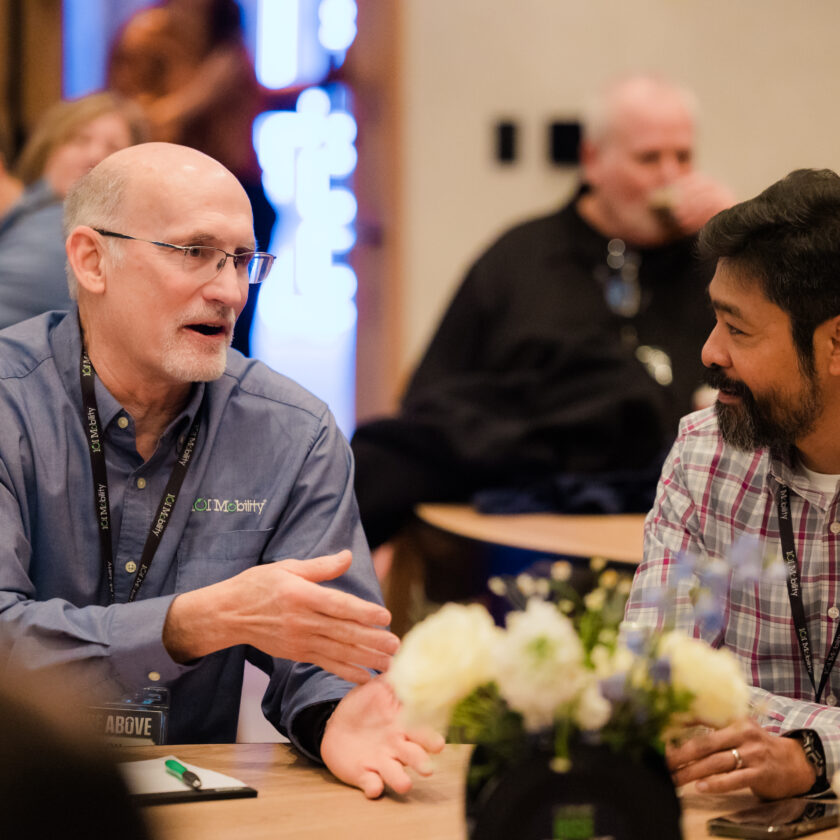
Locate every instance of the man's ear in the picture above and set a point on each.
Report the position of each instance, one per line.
(589, 155)
(832, 335)
(86, 255)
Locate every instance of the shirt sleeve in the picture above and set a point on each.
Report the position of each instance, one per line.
(321, 518)
(660, 597)
(779, 714)
(111, 650)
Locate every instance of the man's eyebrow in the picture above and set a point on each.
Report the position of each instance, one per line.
(203, 238)
(728, 308)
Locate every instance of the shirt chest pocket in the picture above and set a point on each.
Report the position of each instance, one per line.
(210, 558)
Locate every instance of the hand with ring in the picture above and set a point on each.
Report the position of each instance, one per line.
(738, 756)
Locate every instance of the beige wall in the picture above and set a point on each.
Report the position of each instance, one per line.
(767, 73)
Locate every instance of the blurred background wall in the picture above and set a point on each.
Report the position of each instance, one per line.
(431, 80)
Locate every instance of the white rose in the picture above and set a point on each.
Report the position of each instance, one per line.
(441, 661)
(713, 677)
(540, 663)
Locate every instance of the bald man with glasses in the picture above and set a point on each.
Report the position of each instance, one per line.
(171, 508)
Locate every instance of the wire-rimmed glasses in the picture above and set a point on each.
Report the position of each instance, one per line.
(206, 261)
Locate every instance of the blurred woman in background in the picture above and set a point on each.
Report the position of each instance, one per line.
(68, 141)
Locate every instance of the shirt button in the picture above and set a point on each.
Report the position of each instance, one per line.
(141, 483)
(831, 700)
(131, 567)
(122, 422)
(834, 527)
(833, 612)
(154, 676)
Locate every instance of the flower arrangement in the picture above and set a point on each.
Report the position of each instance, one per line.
(559, 670)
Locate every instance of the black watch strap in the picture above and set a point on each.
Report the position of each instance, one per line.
(811, 744)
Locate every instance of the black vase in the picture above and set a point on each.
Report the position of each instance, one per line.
(604, 794)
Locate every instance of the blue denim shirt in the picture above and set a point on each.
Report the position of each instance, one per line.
(271, 478)
(32, 257)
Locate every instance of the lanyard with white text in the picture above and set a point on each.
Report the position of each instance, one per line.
(795, 595)
(96, 447)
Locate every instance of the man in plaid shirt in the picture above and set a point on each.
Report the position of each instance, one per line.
(764, 464)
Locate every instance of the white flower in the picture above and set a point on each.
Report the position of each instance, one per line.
(527, 585)
(441, 661)
(593, 709)
(566, 606)
(561, 570)
(607, 662)
(608, 579)
(540, 663)
(497, 586)
(594, 600)
(720, 692)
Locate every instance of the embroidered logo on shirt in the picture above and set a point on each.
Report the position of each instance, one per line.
(202, 505)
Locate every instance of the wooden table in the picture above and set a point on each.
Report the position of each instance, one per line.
(614, 537)
(298, 800)
(449, 551)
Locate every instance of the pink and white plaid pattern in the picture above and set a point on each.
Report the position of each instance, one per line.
(709, 495)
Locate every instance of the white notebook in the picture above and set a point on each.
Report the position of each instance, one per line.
(150, 783)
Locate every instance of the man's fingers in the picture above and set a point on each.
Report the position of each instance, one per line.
(714, 766)
(319, 649)
(319, 569)
(394, 775)
(428, 739)
(351, 608)
(726, 782)
(371, 784)
(413, 755)
(326, 600)
(353, 635)
(351, 673)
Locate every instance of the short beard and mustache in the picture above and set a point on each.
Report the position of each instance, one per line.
(769, 420)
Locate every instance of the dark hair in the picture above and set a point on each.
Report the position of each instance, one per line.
(787, 238)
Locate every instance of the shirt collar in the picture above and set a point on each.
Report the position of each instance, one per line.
(781, 469)
(66, 342)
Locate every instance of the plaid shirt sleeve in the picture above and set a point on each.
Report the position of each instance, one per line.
(708, 496)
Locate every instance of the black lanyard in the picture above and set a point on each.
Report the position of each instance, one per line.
(96, 447)
(795, 595)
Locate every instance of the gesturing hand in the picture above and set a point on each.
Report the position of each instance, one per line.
(742, 755)
(366, 746)
(281, 609)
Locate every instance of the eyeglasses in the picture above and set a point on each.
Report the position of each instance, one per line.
(206, 262)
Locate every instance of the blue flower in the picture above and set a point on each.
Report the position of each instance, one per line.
(660, 670)
(614, 688)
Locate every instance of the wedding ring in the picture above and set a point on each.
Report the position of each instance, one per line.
(739, 762)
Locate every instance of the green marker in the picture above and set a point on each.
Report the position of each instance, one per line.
(180, 772)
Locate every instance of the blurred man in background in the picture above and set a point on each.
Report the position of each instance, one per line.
(558, 374)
